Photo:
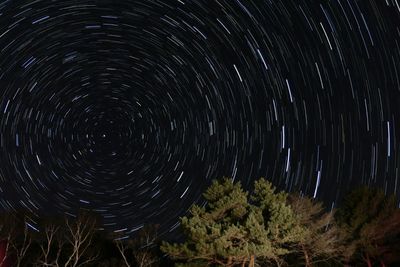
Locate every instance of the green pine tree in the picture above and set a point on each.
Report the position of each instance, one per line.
(227, 231)
(283, 231)
(230, 231)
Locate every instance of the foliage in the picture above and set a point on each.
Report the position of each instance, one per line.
(323, 240)
(265, 228)
(371, 221)
(280, 218)
(230, 230)
(217, 233)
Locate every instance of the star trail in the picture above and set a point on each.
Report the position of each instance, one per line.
(131, 108)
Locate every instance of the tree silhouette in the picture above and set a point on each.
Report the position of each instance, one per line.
(371, 220)
(141, 247)
(323, 240)
(79, 234)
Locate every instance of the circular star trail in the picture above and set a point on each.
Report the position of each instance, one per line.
(130, 108)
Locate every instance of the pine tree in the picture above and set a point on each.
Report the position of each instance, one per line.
(227, 231)
(280, 221)
(230, 231)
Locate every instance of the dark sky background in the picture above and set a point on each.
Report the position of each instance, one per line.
(131, 108)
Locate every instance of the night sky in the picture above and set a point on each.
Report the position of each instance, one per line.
(131, 108)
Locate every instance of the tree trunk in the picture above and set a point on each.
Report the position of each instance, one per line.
(229, 263)
(277, 262)
(306, 257)
(252, 261)
(4, 244)
(368, 261)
